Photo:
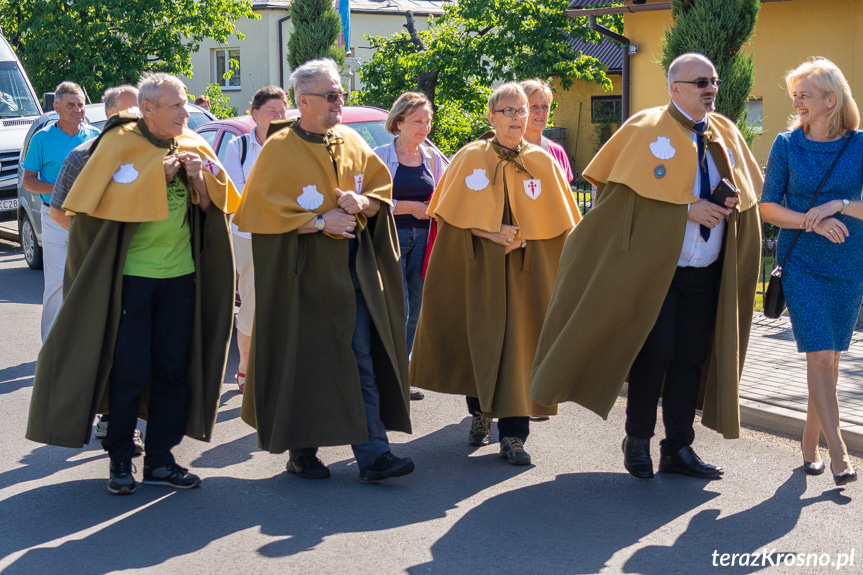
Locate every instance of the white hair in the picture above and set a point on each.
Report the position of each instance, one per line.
(112, 95)
(682, 60)
(148, 87)
(306, 76)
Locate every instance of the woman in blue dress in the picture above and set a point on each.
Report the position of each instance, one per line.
(823, 276)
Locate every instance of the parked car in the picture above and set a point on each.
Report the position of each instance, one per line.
(19, 108)
(367, 121)
(29, 204)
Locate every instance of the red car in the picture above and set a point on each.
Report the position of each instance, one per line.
(367, 121)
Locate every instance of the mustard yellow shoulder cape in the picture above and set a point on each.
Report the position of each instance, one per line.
(124, 179)
(470, 194)
(654, 154)
(295, 177)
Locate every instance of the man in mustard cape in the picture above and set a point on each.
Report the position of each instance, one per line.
(328, 364)
(504, 210)
(146, 319)
(656, 285)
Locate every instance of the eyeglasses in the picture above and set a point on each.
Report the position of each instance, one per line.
(535, 108)
(332, 98)
(512, 112)
(701, 83)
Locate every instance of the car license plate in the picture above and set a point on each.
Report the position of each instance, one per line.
(9, 205)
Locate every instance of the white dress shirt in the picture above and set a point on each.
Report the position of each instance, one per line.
(696, 252)
(240, 173)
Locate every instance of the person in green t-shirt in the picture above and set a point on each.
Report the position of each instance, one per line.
(158, 307)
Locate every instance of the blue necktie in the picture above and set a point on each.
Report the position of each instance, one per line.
(704, 192)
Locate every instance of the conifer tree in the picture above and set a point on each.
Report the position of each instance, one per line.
(316, 29)
(718, 29)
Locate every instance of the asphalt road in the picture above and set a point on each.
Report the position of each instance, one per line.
(463, 510)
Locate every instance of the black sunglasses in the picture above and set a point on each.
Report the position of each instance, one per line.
(332, 98)
(701, 83)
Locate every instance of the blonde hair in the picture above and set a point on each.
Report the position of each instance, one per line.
(404, 106)
(827, 79)
(536, 85)
(510, 90)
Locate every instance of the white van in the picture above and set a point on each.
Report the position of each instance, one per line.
(19, 108)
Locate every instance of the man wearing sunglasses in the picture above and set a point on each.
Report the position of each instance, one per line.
(329, 364)
(670, 277)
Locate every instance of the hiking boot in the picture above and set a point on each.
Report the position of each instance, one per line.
(101, 427)
(512, 448)
(120, 480)
(138, 440)
(387, 465)
(171, 475)
(480, 429)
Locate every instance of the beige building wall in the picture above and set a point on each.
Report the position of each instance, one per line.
(573, 113)
(260, 64)
(787, 33)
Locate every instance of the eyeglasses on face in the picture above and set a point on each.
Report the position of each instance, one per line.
(701, 83)
(537, 108)
(512, 112)
(332, 98)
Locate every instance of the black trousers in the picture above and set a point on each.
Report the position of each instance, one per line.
(506, 426)
(152, 345)
(674, 351)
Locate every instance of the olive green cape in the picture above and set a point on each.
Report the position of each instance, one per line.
(71, 383)
(480, 319)
(302, 383)
(615, 272)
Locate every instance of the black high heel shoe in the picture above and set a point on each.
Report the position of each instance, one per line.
(844, 477)
(814, 468)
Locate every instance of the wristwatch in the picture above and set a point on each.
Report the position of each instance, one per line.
(320, 224)
(844, 205)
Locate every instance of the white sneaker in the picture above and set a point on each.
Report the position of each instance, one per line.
(138, 440)
(101, 428)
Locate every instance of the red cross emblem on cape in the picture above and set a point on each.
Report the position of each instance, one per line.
(532, 188)
(211, 166)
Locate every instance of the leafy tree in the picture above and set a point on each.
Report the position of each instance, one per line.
(103, 43)
(718, 29)
(218, 102)
(471, 47)
(316, 29)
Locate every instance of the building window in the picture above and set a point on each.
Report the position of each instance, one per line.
(605, 109)
(226, 60)
(755, 114)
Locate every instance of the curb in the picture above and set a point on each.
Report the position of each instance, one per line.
(791, 422)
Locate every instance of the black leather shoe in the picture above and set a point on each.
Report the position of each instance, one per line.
(686, 462)
(814, 468)
(844, 477)
(636, 457)
(386, 465)
(308, 467)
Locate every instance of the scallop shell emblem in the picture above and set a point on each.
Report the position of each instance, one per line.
(477, 180)
(730, 156)
(310, 199)
(662, 149)
(126, 174)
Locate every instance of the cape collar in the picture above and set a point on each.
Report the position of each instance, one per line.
(506, 155)
(169, 144)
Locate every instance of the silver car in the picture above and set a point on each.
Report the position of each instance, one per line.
(30, 204)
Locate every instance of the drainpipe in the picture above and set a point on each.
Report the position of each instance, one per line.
(624, 104)
(282, 53)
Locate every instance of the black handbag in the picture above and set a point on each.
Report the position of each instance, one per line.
(774, 297)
